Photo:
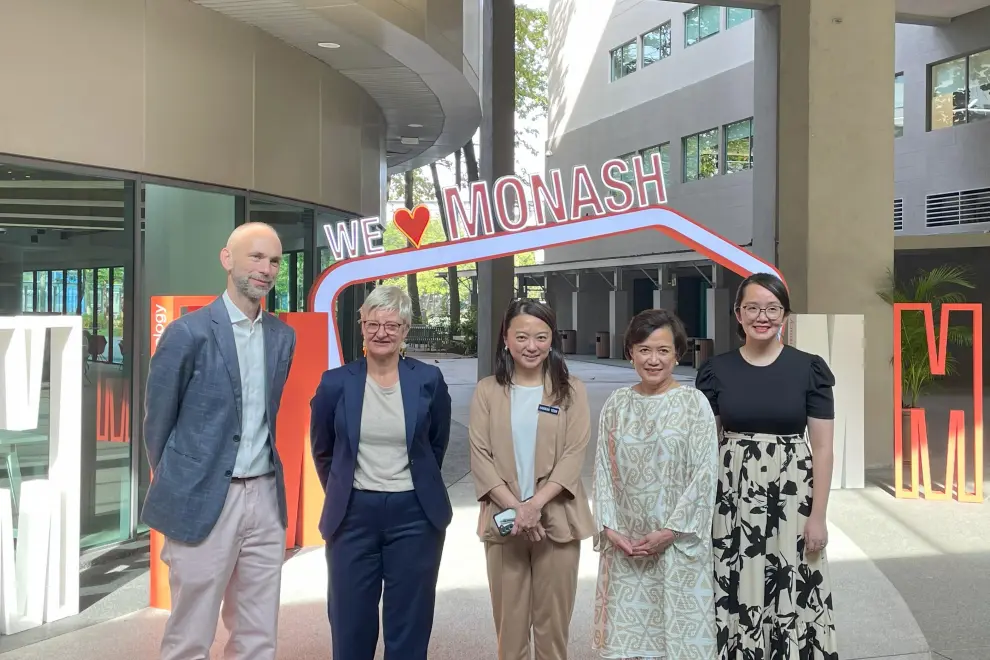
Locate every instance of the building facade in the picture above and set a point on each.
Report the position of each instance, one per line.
(144, 131)
(681, 79)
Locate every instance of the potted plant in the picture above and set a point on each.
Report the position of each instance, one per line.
(938, 286)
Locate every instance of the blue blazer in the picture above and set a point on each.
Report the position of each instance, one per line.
(336, 429)
(192, 418)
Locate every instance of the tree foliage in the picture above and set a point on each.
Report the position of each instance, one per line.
(532, 93)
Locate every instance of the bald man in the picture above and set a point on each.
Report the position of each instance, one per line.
(217, 494)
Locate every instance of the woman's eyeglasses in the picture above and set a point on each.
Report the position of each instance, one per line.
(752, 312)
(372, 327)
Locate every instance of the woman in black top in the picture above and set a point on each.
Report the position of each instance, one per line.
(773, 597)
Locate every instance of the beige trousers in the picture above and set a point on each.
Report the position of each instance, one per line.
(533, 586)
(238, 564)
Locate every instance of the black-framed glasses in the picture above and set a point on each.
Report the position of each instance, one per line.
(752, 312)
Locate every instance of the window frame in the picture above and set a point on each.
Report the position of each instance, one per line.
(701, 37)
(898, 76)
(670, 43)
(718, 154)
(621, 47)
(725, 146)
(729, 10)
(966, 58)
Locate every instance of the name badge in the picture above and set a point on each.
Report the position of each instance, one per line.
(553, 410)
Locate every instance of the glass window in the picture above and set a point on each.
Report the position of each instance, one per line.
(647, 154)
(75, 256)
(739, 146)
(898, 105)
(58, 290)
(664, 150)
(701, 155)
(978, 107)
(27, 292)
(41, 291)
(624, 60)
(295, 228)
(72, 292)
(700, 23)
(656, 44)
(735, 16)
(960, 91)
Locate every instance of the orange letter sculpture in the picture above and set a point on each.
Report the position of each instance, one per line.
(956, 454)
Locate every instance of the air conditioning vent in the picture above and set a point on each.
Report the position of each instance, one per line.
(965, 207)
(898, 214)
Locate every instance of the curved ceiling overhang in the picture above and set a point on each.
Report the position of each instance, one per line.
(413, 67)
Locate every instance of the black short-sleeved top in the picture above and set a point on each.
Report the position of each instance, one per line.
(777, 399)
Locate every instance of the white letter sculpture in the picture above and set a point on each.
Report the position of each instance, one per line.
(39, 582)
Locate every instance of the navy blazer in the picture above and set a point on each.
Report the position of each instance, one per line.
(336, 429)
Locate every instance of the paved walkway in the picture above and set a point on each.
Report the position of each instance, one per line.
(901, 570)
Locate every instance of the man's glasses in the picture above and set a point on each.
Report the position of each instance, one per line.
(752, 312)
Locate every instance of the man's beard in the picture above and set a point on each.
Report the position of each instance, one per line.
(250, 290)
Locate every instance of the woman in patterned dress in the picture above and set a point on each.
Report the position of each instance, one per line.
(654, 497)
(773, 597)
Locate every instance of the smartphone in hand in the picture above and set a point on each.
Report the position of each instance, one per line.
(504, 521)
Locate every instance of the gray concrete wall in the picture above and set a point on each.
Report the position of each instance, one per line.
(711, 84)
(593, 119)
(944, 160)
(724, 203)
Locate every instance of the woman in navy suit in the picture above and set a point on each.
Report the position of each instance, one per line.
(380, 427)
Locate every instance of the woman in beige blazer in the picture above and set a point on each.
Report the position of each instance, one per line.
(529, 429)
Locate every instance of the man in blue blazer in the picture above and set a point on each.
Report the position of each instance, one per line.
(217, 493)
(380, 427)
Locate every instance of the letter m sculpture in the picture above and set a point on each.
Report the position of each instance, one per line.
(39, 581)
(956, 447)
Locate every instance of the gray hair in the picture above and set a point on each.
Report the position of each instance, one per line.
(389, 299)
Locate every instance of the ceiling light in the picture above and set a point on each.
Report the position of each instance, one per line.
(415, 126)
(409, 140)
(328, 44)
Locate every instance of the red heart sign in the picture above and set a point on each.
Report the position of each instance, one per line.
(412, 225)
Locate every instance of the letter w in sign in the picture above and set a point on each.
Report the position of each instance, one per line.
(342, 236)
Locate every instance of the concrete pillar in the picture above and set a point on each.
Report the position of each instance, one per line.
(497, 158)
(665, 298)
(589, 301)
(719, 318)
(766, 26)
(620, 306)
(559, 290)
(11, 278)
(835, 181)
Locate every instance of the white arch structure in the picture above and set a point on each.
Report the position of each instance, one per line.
(402, 262)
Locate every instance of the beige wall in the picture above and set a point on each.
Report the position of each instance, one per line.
(166, 87)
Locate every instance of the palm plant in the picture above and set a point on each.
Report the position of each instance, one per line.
(938, 286)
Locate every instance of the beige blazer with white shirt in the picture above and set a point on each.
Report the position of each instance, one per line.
(561, 442)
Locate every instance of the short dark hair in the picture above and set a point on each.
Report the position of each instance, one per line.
(554, 365)
(771, 283)
(649, 321)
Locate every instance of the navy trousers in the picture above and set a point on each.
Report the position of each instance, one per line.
(385, 540)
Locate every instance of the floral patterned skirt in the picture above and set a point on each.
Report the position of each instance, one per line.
(772, 602)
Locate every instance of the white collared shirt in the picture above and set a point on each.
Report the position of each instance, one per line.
(254, 454)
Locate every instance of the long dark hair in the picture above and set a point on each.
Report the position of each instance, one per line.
(769, 282)
(554, 365)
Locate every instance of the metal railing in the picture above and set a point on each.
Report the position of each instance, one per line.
(428, 338)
